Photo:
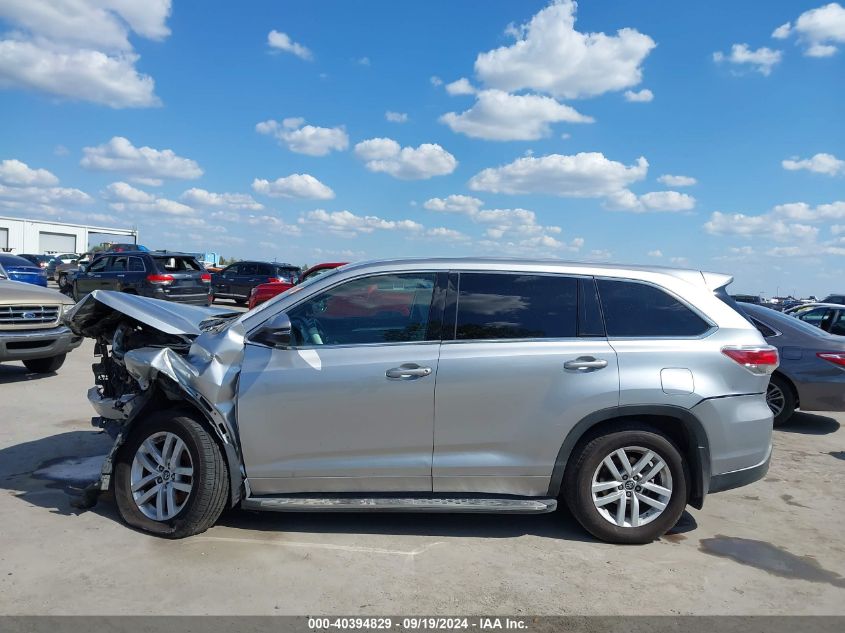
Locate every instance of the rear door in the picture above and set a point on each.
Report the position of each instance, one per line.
(246, 279)
(224, 280)
(525, 361)
(114, 276)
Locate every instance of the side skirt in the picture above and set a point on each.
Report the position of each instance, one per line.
(495, 505)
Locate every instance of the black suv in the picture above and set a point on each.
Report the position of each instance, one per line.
(237, 280)
(157, 274)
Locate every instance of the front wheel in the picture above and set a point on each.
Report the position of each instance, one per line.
(170, 476)
(628, 486)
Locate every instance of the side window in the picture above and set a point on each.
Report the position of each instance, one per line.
(117, 264)
(640, 310)
(764, 329)
(375, 309)
(248, 269)
(234, 269)
(513, 306)
(814, 317)
(136, 265)
(99, 265)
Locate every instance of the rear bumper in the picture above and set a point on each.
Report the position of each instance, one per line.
(26, 344)
(739, 432)
(742, 477)
(191, 298)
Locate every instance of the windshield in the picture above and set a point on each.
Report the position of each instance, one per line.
(780, 321)
(294, 289)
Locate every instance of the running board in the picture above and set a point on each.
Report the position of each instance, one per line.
(401, 504)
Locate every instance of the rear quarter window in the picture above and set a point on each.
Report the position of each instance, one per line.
(634, 309)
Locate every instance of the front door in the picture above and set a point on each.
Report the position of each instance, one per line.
(349, 407)
(528, 361)
(93, 277)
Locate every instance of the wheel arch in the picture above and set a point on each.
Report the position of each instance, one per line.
(679, 424)
(791, 384)
(167, 399)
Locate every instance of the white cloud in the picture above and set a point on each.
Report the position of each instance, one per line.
(655, 253)
(363, 61)
(679, 261)
(550, 56)
(16, 173)
(124, 192)
(762, 60)
(455, 203)
(626, 200)
(274, 225)
(820, 30)
(449, 235)
(821, 163)
(501, 116)
(305, 139)
(347, 224)
(677, 181)
(769, 225)
(460, 86)
(20, 197)
(283, 42)
(294, 186)
(583, 175)
(396, 117)
(435, 80)
(80, 49)
(120, 155)
(202, 199)
(406, 163)
(643, 96)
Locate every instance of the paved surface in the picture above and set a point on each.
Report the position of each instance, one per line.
(774, 547)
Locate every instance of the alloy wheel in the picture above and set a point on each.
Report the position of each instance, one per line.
(162, 476)
(775, 399)
(632, 486)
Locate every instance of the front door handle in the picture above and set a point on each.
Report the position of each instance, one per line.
(585, 363)
(408, 371)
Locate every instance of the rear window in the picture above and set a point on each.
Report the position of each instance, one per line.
(633, 309)
(511, 306)
(177, 264)
(286, 273)
(14, 260)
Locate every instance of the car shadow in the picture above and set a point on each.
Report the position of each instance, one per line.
(810, 424)
(46, 473)
(18, 373)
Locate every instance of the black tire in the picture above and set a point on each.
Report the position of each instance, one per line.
(210, 488)
(586, 459)
(779, 382)
(241, 302)
(62, 281)
(44, 365)
(74, 292)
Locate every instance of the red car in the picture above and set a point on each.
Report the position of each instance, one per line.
(265, 292)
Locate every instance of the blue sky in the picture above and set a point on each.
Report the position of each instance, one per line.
(707, 135)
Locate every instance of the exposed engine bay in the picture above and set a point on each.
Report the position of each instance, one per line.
(161, 354)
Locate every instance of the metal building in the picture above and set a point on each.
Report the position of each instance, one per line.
(20, 235)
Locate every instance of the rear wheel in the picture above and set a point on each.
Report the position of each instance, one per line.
(45, 365)
(170, 476)
(781, 399)
(628, 486)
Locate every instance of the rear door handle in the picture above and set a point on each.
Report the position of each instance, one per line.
(408, 371)
(585, 363)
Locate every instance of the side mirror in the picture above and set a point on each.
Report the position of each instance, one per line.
(276, 332)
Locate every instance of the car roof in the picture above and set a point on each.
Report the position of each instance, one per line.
(712, 280)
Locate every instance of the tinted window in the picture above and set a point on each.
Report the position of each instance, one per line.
(98, 265)
(285, 273)
(234, 269)
(636, 309)
(136, 265)
(508, 306)
(177, 264)
(117, 264)
(376, 309)
(764, 329)
(814, 316)
(248, 269)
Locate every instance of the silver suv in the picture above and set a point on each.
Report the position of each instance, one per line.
(435, 385)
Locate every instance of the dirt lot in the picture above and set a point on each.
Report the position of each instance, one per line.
(775, 547)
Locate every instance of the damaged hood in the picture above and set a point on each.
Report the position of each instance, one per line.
(90, 317)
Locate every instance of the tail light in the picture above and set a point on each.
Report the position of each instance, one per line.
(206, 277)
(837, 358)
(274, 280)
(160, 279)
(758, 360)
